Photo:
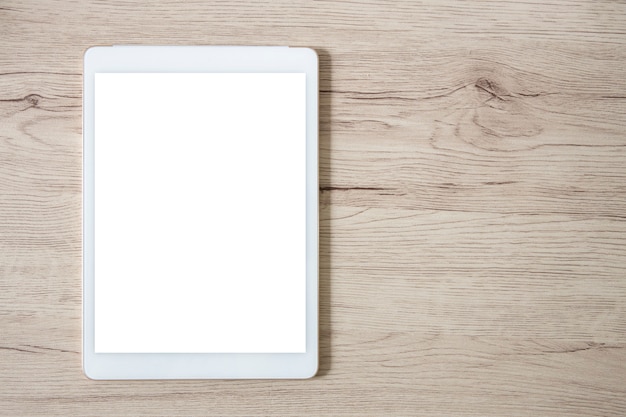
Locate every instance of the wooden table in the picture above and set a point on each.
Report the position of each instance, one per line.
(473, 206)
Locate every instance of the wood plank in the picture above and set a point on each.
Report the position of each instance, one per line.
(473, 200)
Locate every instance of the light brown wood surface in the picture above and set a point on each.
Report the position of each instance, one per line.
(473, 206)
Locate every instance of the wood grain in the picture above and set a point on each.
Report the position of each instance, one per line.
(473, 206)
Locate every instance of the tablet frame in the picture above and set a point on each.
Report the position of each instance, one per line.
(200, 59)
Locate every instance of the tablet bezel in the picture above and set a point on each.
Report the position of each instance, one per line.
(199, 59)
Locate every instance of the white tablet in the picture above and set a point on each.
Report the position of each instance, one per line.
(200, 212)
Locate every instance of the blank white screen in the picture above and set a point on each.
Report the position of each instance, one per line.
(200, 212)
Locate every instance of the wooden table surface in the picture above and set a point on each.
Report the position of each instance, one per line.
(473, 206)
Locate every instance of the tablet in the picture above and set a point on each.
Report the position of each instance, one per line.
(200, 212)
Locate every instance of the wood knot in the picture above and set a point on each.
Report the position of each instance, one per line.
(493, 115)
(33, 99)
(493, 89)
(502, 116)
